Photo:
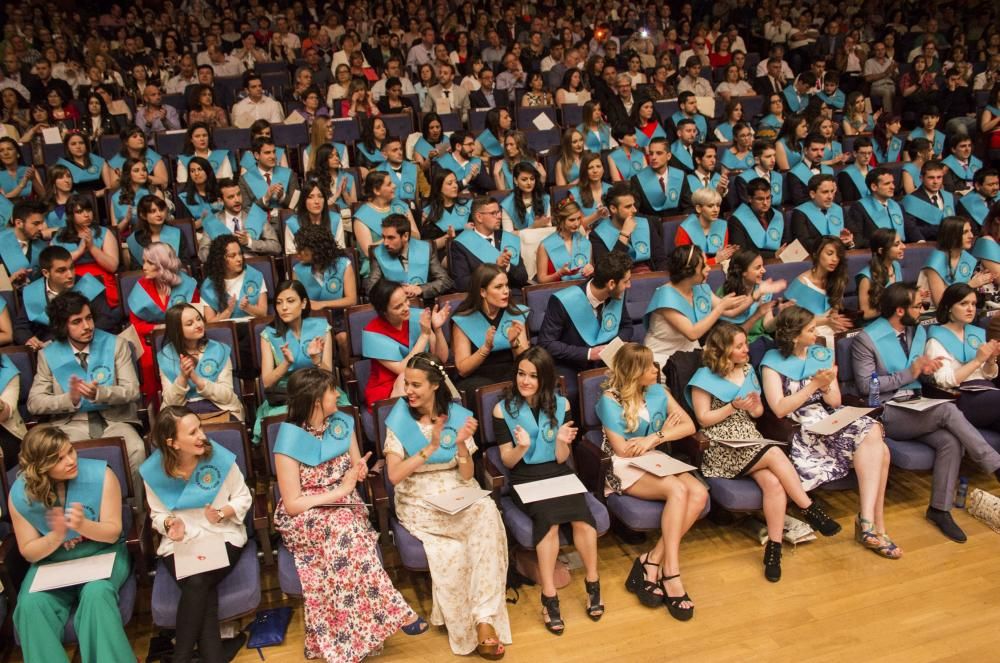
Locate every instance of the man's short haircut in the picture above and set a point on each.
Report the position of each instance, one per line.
(611, 266)
(816, 180)
(897, 295)
(25, 208)
(761, 145)
(52, 253)
(617, 191)
(397, 221)
(757, 185)
(259, 142)
(931, 165)
(872, 178)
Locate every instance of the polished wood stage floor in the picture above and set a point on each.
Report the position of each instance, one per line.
(835, 602)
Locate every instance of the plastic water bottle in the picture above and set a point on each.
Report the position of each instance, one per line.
(874, 398)
(963, 490)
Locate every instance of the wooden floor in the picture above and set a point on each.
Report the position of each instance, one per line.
(836, 600)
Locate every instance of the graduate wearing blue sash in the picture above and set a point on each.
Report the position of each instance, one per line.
(817, 359)
(835, 100)
(856, 179)
(424, 148)
(14, 259)
(9, 182)
(99, 233)
(372, 218)
(489, 143)
(406, 179)
(258, 185)
(962, 350)
(973, 205)
(808, 297)
(987, 249)
(628, 162)
(794, 101)
(487, 252)
(248, 162)
(723, 389)
(667, 297)
(457, 217)
(294, 442)
(963, 172)
(56, 219)
(401, 422)
(462, 172)
(886, 340)
(213, 359)
(940, 263)
(832, 151)
(253, 282)
(62, 360)
(794, 155)
(576, 257)
(937, 140)
(292, 224)
(609, 411)
(200, 489)
(594, 332)
(120, 209)
(866, 273)
(527, 220)
(380, 346)
(731, 161)
(142, 305)
(658, 199)
(829, 223)
(699, 122)
(888, 216)
(763, 239)
(914, 172)
(774, 177)
(892, 151)
(597, 203)
(770, 121)
(169, 235)
(724, 132)
(710, 242)
(475, 325)
(596, 140)
(36, 300)
(802, 172)
(642, 138)
(918, 205)
(197, 206)
(679, 152)
(216, 158)
(151, 158)
(253, 224)
(332, 285)
(418, 258)
(694, 181)
(86, 178)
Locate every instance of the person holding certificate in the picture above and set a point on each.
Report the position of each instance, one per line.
(534, 432)
(725, 396)
(821, 289)
(428, 451)
(195, 491)
(351, 607)
(63, 508)
(800, 382)
(638, 415)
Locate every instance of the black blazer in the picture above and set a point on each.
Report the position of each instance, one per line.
(105, 319)
(658, 252)
(857, 220)
(478, 100)
(739, 236)
(559, 336)
(643, 204)
(463, 262)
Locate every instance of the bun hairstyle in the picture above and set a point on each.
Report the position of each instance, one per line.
(788, 326)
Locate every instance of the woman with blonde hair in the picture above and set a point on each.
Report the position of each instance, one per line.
(565, 254)
(570, 152)
(638, 415)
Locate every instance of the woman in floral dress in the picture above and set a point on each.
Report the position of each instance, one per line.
(350, 603)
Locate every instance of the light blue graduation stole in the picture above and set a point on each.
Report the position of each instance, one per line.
(486, 251)
(890, 217)
(578, 198)
(579, 256)
(914, 171)
(490, 143)
(541, 430)
(406, 180)
(724, 132)
(248, 163)
(764, 240)
(666, 296)
(35, 301)
(807, 297)
(963, 351)
(372, 218)
(418, 258)
(13, 258)
(890, 155)
(253, 225)
(937, 141)
(833, 150)
(253, 281)
(598, 140)
(972, 203)
(121, 209)
(732, 162)
(528, 220)
(770, 121)
(699, 122)
(97, 232)
(84, 175)
(612, 417)
(87, 489)
(857, 179)
(794, 155)
(628, 163)
(200, 206)
(332, 286)
(150, 157)
(835, 100)
(293, 225)
(56, 218)
(456, 217)
(405, 427)
(475, 325)
(711, 242)
(140, 303)
(8, 371)
(448, 161)
(886, 340)
(720, 387)
(939, 262)
(311, 328)
(258, 185)
(866, 273)
(194, 493)
(830, 223)
(213, 359)
(638, 243)
(925, 211)
(794, 102)
(650, 183)
(694, 182)
(380, 346)
(215, 159)
(777, 184)
(61, 358)
(802, 172)
(423, 147)
(9, 182)
(169, 235)
(642, 140)
(793, 368)
(297, 443)
(749, 313)
(677, 151)
(593, 331)
(986, 248)
(343, 176)
(964, 173)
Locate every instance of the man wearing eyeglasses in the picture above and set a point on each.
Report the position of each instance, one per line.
(486, 242)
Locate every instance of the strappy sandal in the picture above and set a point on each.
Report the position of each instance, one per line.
(490, 647)
(642, 588)
(880, 544)
(673, 603)
(595, 609)
(550, 614)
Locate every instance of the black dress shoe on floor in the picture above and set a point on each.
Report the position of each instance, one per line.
(946, 524)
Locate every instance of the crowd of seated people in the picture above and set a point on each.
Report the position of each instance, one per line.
(252, 217)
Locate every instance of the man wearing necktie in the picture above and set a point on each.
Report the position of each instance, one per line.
(280, 184)
(445, 97)
(233, 216)
(21, 244)
(926, 207)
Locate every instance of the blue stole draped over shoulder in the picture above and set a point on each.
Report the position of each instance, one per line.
(807, 297)
(964, 173)
(247, 162)
(699, 122)
(121, 209)
(866, 273)
(711, 242)
(835, 100)
(638, 245)
(253, 281)
(140, 303)
(87, 489)
(628, 164)
(418, 258)
(99, 233)
(486, 251)
(541, 430)
(830, 223)
(777, 184)
(794, 155)
(35, 302)
(380, 346)
(658, 199)
(724, 132)
(150, 157)
(914, 172)
(253, 225)
(890, 217)
(405, 427)
(12, 256)
(764, 240)
(612, 417)
(490, 143)
(62, 360)
(963, 350)
(295, 442)
(528, 220)
(972, 203)
(593, 331)
(598, 140)
(642, 140)
(986, 248)
(886, 340)
(194, 493)
(720, 387)
(456, 217)
(84, 175)
(449, 162)
(937, 140)
(213, 359)
(9, 182)
(311, 328)
(803, 173)
(293, 224)
(751, 310)
(406, 180)
(372, 218)
(598, 201)
(200, 206)
(215, 159)
(169, 235)
(731, 161)
(332, 286)
(258, 185)
(793, 368)
(927, 212)
(667, 296)
(475, 325)
(889, 155)
(939, 262)
(857, 179)
(577, 258)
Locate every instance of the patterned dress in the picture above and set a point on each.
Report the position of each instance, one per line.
(350, 603)
(822, 458)
(727, 462)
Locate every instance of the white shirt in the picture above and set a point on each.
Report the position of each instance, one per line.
(177, 84)
(248, 111)
(235, 285)
(945, 376)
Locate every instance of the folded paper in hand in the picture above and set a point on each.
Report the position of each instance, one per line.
(794, 252)
(610, 350)
(73, 572)
(843, 417)
(545, 489)
(455, 500)
(660, 464)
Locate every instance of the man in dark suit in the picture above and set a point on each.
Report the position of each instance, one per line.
(771, 83)
(618, 107)
(930, 204)
(507, 28)
(488, 96)
(379, 54)
(756, 225)
(878, 210)
(626, 232)
(485, 242)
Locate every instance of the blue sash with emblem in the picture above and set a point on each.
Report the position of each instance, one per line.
(751, 310)
(297, 443)
(667, 296)
(596, 140)
(199, 206)
(87, 489)
(380, 346)
(695, 183)
(642, 140)
(99, 234)
(866, 273)
(9, 182)
(720, 387)
(541, 430)
(12, 256)
(215, 159)
(857, 179)
(35, 302)
(638, 245)
(311, 328)
(194, 493)
(963, 351)
(406, 180)
(490, 143)
(764, 240)
(937, 140)
(423, 147)
(830, 223)
(711, 242)
(964, 173)
(475, 326)
(808, 297)
(406, 429)
(140, 303)
(248, 163)
(258, 185)
(418, 258)
(448, 162)
(794, 155)
(802, 172)
(372, 218)
(939, 262)
(213, 359)
(658, 199)
(456, 217)
(593, 331)
(578, 257)
(886, 340)
(793, 368)
(149, 156)
(293, 225)
(891, 154)
(699, 122)
(120, 209)
(973, 204)
(598, 201)
(61, 358)
(777, 184)
(253, 281)
(628, 163)
(169, 235)
(835, 100)
(332, 286)
(486, 251)
(914, 171)
(84, 175)
(253, 225)
(793, 100)
(925, 211)
(731, 161)
(528, 220)
(986, 248)
(890, 217)
(610, 412)
(679, 152)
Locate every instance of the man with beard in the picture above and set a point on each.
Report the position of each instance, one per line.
(412, 262)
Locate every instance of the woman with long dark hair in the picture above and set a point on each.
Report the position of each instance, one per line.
(135, 184)
(312, 211)
(745, 277)
(527, 206)
(331, 172)
(369, 148)
(431, 143)
(884, 269)
(886, 142)
(200, 194)
(565, 254)
(198, 142)
(444, 215)
(90, 171)
(231, 289)
(58, 191)
(789, 143)
(134, 146)
(151, 226)
(515, 151)
(97, 120)
(16, 179)
(952, 262)
(596, 132)
(498, 123)
(820, 290)
(93, 247)
(380, 192)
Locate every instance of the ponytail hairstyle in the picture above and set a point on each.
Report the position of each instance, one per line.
(881, 241)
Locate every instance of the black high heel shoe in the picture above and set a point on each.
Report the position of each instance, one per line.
(642, 588)
(550, 609)
(673, 603)
(595, 609)
(772, 561)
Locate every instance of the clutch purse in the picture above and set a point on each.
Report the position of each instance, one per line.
(268, 628)
(984, 507)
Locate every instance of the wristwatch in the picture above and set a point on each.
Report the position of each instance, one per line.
(423, 454)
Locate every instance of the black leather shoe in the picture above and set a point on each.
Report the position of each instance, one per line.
(946, 524)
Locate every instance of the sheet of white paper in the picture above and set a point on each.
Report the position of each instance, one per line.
(73, 572)
(794, 252)
(736, 444)
(530, 239)
(536, 491)
(132, 336)
(609, 352)
(455, 500)
(706, 106)
(920, 404)
(542, 122)
(204, 553)
(843, 417)
(660, 464)
(51, 136)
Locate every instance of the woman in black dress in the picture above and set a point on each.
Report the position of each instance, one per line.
(534, 434)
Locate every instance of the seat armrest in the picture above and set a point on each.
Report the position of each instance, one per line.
(693, 446)
(592, 465)
(492, 478)
(380, 501)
